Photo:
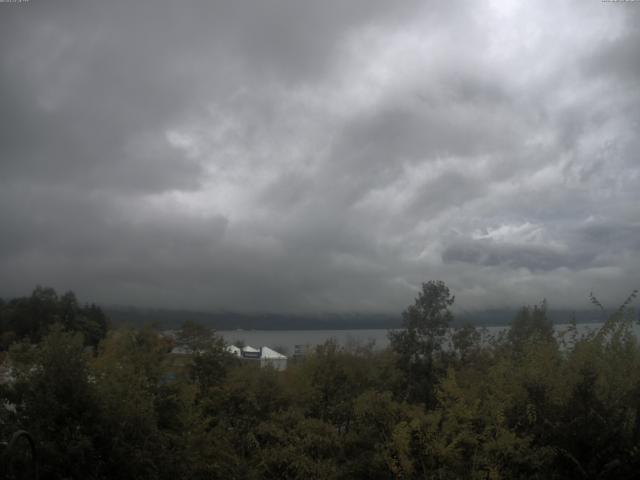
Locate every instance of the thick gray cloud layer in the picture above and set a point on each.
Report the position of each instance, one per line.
(320, 156)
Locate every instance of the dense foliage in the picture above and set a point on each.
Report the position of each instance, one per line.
(30, 318)
(528, 404)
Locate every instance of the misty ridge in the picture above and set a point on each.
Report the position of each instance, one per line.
(168, 319)
(319, 240)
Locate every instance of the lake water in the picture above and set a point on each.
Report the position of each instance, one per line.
(285, 341)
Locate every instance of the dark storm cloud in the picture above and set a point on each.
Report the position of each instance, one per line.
(532, 257)
(318, 156)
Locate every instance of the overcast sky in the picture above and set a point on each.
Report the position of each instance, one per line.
(320, 156)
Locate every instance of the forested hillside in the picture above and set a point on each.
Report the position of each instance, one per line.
(526, 405)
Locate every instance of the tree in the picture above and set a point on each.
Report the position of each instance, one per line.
(210, 365)
(195, 336)
(128, 373)
(466, 341)
(531, 325)
(32, 317)
(56, 402)
(420, 341)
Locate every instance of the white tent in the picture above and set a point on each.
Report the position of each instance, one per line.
(272, 359)
(267, 356)
(250, 353)
(232, 349)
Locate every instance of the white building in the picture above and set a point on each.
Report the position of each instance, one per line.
(181, 350)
